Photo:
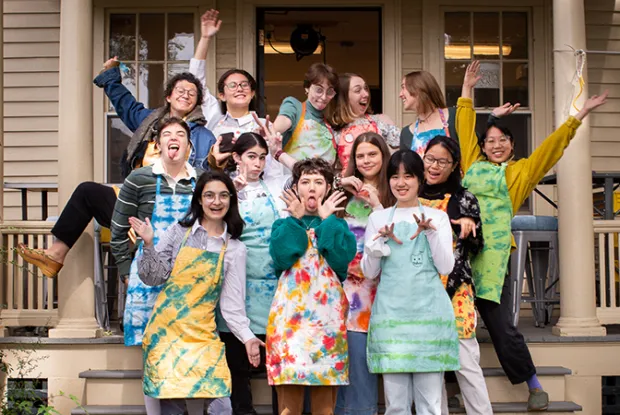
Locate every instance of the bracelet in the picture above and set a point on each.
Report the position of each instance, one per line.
(278, 154)
(338, 182)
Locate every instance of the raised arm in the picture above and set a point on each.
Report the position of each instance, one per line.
(129, 110)
(209, 26)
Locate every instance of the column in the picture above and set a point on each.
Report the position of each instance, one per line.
(577, 286)
(75, 164)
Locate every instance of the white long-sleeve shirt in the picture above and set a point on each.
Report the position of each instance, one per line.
(440, 240)
(156, 264)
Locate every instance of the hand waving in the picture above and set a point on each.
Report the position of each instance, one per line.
(471, 75)
(505, 109)
(143, 229)
(209, 23)
(330, 205)
(423, 225)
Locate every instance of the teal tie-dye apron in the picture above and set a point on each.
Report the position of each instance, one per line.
(412, 327)
(168, 209)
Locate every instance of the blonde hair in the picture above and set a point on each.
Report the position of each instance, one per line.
(341, 114)
(425, 88)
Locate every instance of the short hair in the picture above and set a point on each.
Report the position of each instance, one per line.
(185, 76)
(221, 84)
(312, 166)
(318, 72)
(411, 161)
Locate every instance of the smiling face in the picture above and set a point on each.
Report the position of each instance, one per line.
(183, 98)
(368, 160)
(497, 147)
(174, 144)
(312, 187)
(215, 200)
(410, 101)
(359, 96)
(251, 162)
(404, 187)
(438, 164)
(237, 92)
(320, 94)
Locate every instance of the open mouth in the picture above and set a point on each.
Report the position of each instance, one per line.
(433, 175)
(216, 210)
(173, 150)
(402, 192)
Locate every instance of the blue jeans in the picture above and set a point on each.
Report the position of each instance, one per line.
(360, 397)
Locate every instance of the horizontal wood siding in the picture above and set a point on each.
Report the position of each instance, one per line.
(412, 48)
(603, 33)
(31, 48)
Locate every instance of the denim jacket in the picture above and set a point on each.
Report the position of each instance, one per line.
(133, 113)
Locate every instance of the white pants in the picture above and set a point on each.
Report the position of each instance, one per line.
(471, 381)
(402, 389)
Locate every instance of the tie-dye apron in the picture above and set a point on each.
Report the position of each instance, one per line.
(183, 355)
(306, 332)
(259, 214)
(311, 139)
(168, 209)
(360, 291)
(348, 135)
(487, 181)
(412, 326)
(463, 299)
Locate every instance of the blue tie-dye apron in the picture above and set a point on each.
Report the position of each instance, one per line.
(168, 209)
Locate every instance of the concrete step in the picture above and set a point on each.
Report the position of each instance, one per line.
(508, 408)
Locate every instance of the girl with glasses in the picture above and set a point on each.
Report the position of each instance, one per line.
(501, 185)
(197, 264)
(443, 190)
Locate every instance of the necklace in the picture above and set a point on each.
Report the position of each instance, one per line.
(308, 226)
(425, 119)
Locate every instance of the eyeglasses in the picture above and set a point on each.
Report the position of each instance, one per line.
(442, 163)
(210, 197)
(320, 91)
(189, 92)
(502, 139)
(234, 85)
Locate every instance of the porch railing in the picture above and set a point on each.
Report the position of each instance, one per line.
(607, 254)
(27, 297)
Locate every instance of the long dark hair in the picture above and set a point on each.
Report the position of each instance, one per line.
(411, 161)
(221, 84)
(245, 142)
(232, 218)
(184, 76)
(453, 183)
(385, 195)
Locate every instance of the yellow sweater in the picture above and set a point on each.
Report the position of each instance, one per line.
(522, 176)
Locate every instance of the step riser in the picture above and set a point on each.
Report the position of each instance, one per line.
(501, 390)
(114, 392)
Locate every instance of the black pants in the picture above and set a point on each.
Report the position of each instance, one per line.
(512, 352)
(89, 200)
(241, 372)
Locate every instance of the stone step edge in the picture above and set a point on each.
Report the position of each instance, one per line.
(137, 374)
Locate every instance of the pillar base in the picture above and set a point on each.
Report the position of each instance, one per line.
(76, 328)
(578, 327)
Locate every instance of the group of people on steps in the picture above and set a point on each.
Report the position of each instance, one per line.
(327, 247)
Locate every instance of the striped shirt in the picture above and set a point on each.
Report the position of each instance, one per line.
(137, 198)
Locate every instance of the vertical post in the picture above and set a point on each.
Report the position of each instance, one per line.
(577, 286)
(76, 292)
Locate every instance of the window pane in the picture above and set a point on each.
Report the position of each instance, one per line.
(176, 68)
(514, 35)
(151, 85)
(152, 37)
(180, 36)
(118, 138)
(123, 36)
(457, 36)
(486, 35)
(515, 79)
(486, 93)
(128, 73)
(455, 71)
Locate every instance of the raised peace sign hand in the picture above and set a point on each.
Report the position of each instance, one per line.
(387, 232)
(423, 225)
(273, 138)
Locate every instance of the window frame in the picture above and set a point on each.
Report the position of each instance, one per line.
(107, 112)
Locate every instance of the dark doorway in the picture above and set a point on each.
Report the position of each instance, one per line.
(351, 42)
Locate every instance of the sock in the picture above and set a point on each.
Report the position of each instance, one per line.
(533, 383)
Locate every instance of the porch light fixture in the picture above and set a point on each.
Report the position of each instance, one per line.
(285, 48)
(464, 51)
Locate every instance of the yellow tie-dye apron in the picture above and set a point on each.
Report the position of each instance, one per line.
(183, 355)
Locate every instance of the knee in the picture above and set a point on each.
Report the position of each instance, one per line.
(85, 189)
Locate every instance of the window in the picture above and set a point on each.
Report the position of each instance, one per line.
(152, 48)
(501, 42)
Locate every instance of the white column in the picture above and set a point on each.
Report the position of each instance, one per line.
(578, 297)
(75, 164)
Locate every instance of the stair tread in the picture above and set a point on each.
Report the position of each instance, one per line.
(110, 410)
(111, 374)
(540, 371)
